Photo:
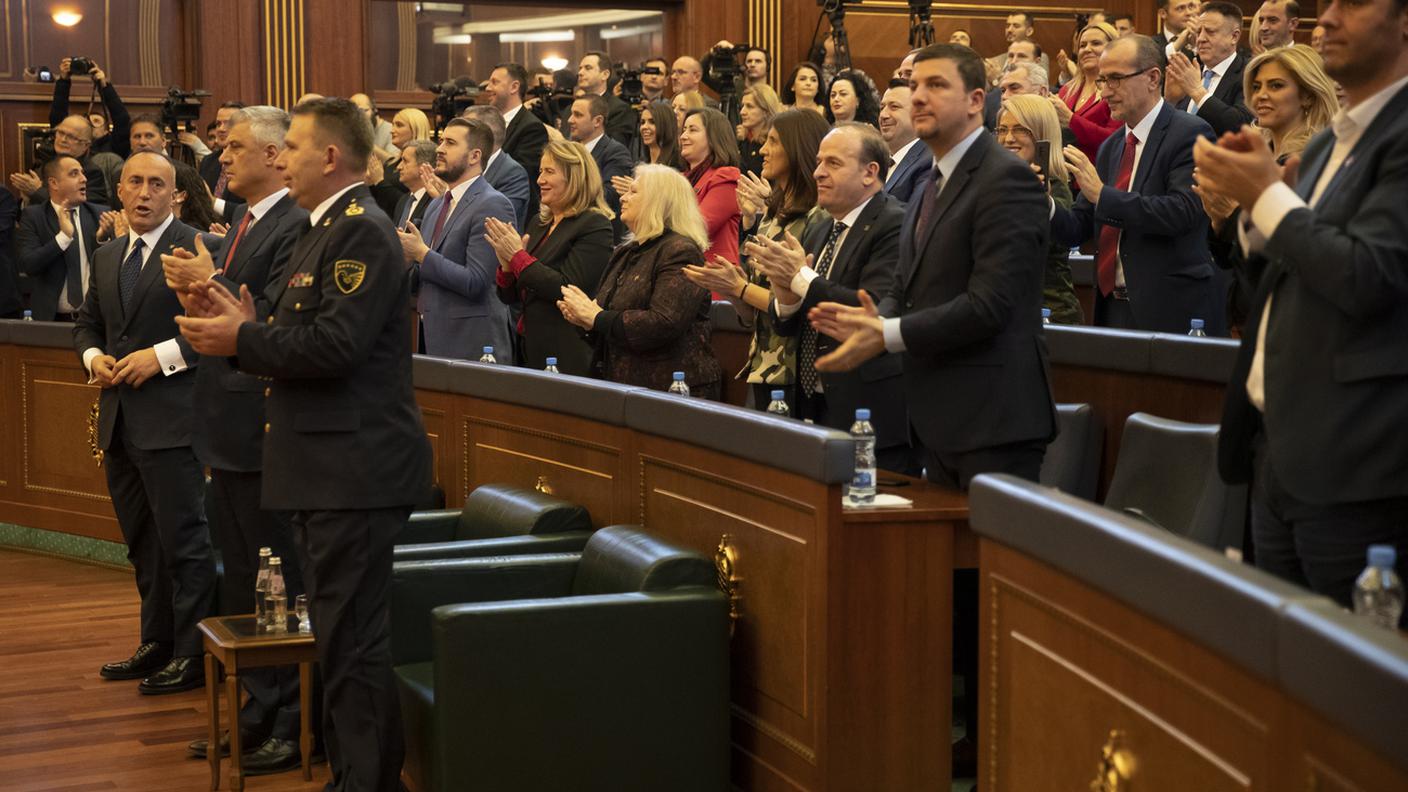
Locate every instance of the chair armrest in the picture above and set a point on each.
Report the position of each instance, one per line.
(531, 544)
(638, 680)
(417, 587)
(429, 526)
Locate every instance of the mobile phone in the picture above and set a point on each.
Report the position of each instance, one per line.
(1043, 154)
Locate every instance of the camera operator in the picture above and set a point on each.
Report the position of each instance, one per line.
(116, 140)
(552, 103)
(72, 137)
(652, 83)
(757, 65)
(594, 73)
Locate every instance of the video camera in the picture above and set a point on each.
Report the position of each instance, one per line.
(632, 90)
(451, 99)
(181, 109)
(725, 75)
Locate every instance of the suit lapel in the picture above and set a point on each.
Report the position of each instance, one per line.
(855, 237)
(1151, 149)
(461, 209)
(952, 187)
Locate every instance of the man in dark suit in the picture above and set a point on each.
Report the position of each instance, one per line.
(411, 206)
(228, 432)
(1178, 27)
(344, 449)
(501, 171)
(908, 163)
(460, 310)
(129, 344)
(593, 78)
(1318, 399)
(11, 302)
(1212, 87)
(1153, 268)
(963, 311)
(56, 241)
(210, 168)
(524, 134)
(855, 248)
(587, 125)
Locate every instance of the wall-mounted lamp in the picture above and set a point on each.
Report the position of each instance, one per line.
(66, 18)
(553, 63)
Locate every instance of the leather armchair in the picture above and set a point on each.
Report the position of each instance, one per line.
(600, 670)
(496, 520)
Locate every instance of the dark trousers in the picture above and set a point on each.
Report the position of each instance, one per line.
(958, 471)
(158, 497)
(1110, 312)
(348, 577)
(239, 528)
(1323, 547)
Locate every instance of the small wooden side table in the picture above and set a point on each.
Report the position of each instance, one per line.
(235, 643)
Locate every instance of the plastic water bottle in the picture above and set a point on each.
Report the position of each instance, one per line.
(488, 356)
(1195, 329)
(778, 405)
(276, 604)
(29, 316)
(863, 482)
(552, 366)
(261, 587)
(678, 387)
(1378, 593)
(1046, 316)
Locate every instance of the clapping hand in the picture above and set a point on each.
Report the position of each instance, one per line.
(718, 275)
(27, 182)
(622, 184)
(860, 330)
(186, 271)
(413, 245)
(219, 229)
(753, 193)
(217, 332)
(577, 307)
(780, 261)
(1240, 166)
(504, 239)
(434, 185)
(1183, 79)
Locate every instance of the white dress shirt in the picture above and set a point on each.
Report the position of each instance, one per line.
(168, 352)
(64, 240)
(510, 114)
(591, 144)
(1142, 131)
(896, 159)
(802, 281)
(322, 208)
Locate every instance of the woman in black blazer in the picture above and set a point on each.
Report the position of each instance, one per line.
(568, 243)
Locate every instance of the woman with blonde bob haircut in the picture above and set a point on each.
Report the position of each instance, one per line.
(407, 126)
(1291, 95)
(648, 321)
(1022, 121)
(568, 243)
(755, 112)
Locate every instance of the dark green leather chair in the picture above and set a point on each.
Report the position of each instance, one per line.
(601, 670)
(497, 519)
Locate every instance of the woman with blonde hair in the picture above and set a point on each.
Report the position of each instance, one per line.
(684, 102)
(1079, 105)
(648, 321)
(407, 126)
(568, 243)
(1022, 122)
(755, 112)
(1291, 96)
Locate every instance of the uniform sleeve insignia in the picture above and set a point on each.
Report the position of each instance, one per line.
(300, 280)
(349, 275)
(353, 210)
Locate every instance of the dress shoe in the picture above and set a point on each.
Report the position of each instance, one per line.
(249, 743)
(274, 756)
(179, 675)
(148, 659)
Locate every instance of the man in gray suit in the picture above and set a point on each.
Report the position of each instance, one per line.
(458, 302)
(502, 171)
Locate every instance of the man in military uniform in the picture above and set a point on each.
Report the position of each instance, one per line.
(344, 447)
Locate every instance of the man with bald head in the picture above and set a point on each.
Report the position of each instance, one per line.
(685, 75)
(73, 137)
(381, 128)
(127, 338)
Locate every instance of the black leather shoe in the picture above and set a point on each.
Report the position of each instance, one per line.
(179, 675)
(274, 756)
(147, 660)
(249, 743)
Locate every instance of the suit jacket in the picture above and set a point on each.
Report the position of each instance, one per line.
(1163, 245)
(99, 191)
(417, 213)
(209, 169)
(968, 293)
(1336, 376)
(157, 415)
(344, 431)
(10, 301)
(909, 172)
(1225, 109)
(44, 262)
(622, 120)
(510, 179)
(612, 159)
(460, 310)
(867, 261)
(524, 140)
(576, 252)
(228, 432)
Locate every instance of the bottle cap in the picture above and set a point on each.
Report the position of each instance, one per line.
(275, 560)
(1045, 313)
(862, 414)
(552, 361)
(778, 395)
(679, 376)
(1196, 324)
(1382, 556)
(488, 350)
(263, 551)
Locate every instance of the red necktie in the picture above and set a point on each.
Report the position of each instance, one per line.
(1107, 255)
(440, 221)
(239, 234)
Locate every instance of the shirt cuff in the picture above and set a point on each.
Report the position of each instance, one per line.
(168, 354)
(504, 280)
(63, 240)
(1271, 208)
(786, 310)
(520, 261)
(802, 281)
(894, 341)
(88, 355)
(220, 206)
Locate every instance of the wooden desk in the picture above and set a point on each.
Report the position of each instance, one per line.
(232, 642)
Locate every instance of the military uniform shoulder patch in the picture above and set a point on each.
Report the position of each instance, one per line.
(353, 209)
(348, 275)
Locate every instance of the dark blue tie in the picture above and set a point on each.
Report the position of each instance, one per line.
(74, 258)
(128, 275)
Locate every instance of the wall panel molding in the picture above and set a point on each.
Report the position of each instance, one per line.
(284, 72)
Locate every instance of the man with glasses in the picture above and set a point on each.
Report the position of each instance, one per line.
(73, 137)
(1153, 269)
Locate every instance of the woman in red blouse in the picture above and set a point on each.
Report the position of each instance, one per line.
(1079, 105)
(710, 150)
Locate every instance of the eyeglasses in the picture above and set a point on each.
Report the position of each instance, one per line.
(1019, 131)
(59, 134)
(1114, 80)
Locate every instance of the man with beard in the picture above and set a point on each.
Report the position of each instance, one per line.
(459, 305)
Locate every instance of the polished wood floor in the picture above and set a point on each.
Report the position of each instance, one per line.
(65, 729)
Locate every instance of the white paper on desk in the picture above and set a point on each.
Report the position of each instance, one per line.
(883, 500)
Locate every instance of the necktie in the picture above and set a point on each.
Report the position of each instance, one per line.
(445, 212)
(1207, 82)
(926, 205)
(1107, 255)
(806, 371)
(235, 243)
(75, 263)
(219, 191)
(128, 275)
